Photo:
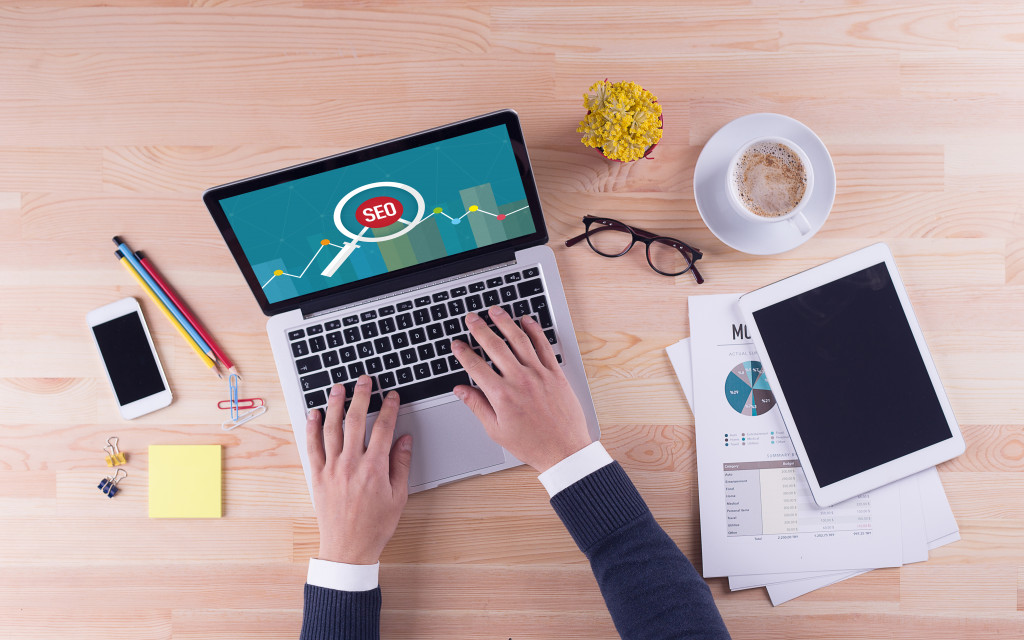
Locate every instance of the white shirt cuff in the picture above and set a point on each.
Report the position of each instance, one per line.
(574, 468)
(341, 576)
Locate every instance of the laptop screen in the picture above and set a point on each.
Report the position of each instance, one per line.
(381, 215)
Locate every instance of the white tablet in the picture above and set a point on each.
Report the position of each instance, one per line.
(852, 375)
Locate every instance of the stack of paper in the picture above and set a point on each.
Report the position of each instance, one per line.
(759, 524)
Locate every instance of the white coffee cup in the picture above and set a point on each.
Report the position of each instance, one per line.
(795, 215)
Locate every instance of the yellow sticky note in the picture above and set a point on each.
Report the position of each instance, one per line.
(184, 481)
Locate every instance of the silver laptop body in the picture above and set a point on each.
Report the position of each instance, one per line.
(332, 337)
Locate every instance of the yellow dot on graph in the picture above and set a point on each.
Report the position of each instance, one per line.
(325, 242)
(474, 208)
(437, 209)
(278, 272)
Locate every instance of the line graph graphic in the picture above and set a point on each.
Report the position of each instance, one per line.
(280, 272)
(348, 248)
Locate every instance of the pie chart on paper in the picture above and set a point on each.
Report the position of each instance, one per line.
(747, 390)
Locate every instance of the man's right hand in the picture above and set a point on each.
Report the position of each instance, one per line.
(529, 408)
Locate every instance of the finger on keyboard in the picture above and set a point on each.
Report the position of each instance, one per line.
(333, 437)
(355, 420)
(475, 366)
(519, 342)
(384, 426)
(540, 342)
(492, 343)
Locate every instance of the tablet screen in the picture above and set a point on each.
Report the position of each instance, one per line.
(852, 374)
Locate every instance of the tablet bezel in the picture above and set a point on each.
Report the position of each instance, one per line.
(894, 469)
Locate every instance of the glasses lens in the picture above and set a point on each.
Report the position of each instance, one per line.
(609, 238)
(669, 256)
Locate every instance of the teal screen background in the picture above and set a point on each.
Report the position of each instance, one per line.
(283, 229)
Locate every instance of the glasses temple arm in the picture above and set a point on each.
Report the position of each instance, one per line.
(696, 274)
(571, 241)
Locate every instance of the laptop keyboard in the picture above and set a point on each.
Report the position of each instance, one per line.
(405, 343)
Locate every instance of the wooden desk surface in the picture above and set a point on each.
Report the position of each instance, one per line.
(113, 119)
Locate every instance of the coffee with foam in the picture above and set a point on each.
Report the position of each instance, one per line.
(770, 179)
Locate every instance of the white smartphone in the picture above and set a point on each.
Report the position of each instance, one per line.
(129, 358)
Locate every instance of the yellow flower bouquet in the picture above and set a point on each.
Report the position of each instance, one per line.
(623, 120)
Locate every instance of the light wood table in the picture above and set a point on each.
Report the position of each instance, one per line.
(113, 119)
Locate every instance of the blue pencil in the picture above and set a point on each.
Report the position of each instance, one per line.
(130, 256)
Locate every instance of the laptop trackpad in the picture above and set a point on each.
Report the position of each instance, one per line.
(448, 441)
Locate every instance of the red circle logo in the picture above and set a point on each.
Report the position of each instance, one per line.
(379, 212)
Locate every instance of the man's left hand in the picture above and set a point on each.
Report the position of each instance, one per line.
(359, 490)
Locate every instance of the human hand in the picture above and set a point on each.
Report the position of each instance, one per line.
(359, 491)
(529, 408)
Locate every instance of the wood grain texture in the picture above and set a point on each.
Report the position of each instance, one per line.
(115, 115)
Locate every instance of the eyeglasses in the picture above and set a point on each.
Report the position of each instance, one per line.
(667, 256)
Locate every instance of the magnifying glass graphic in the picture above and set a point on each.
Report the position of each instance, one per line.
(373, 214)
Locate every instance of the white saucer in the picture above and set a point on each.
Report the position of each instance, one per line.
(713, 203)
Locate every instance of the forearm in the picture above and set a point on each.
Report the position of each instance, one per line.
(342, 601)
(330, 614)
(651, 589)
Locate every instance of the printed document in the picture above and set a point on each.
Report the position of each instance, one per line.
(757, 512)
(926, 516)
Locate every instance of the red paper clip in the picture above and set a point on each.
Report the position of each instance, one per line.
(243, 403)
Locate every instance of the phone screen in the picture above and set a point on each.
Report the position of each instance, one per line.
(128, 358)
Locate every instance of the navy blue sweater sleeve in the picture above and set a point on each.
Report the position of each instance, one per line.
(651, 589)
(329, 614)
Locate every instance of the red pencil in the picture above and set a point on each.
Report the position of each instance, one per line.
(151, 269)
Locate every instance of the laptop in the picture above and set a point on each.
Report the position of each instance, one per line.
(367, 262)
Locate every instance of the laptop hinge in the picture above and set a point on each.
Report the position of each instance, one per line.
(407, 284)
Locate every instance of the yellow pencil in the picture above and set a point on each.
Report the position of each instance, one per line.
(177, 325)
